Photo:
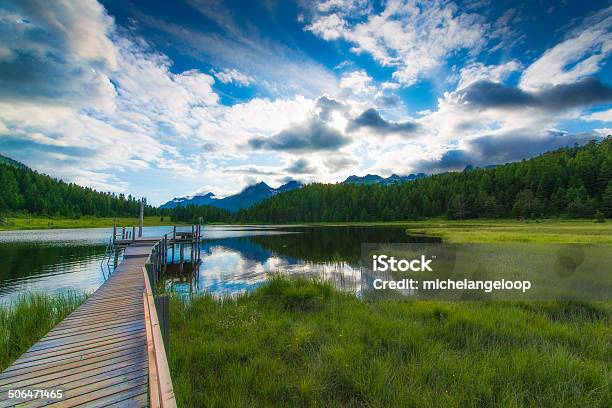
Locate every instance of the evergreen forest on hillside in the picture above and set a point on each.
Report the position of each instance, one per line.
(26, 190)
(574, 182)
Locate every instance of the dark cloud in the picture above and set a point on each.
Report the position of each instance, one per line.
(251, 170)
(26, 150)
(516, 145)
(455, 159)
(371, 119)
(487, 94)
(313, 135)
(301, 166)
(42, 62)
(389, 101)
(505, 148)
(588, 91)
(339, 162)
(327, 106)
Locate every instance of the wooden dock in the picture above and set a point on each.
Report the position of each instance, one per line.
(108, 352)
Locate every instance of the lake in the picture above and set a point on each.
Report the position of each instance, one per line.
(234, 258)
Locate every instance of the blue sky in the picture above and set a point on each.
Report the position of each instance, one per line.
(164, 99)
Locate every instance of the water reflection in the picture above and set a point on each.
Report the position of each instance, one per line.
(235, 258)
(233, 264)
(38, 267)
(55, 261)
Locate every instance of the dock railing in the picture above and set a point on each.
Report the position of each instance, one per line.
(161, 392)
(125, 234)
(157, 308)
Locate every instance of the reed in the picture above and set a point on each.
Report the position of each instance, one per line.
(29, 318)
(302, 343)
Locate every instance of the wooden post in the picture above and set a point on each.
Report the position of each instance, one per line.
(162, 305)
(165, 251)
(116, 260)
(181, 255)
(152, 263)
(114, 233)
(123, 233)
(191, 241)
(133, 232)
(199, 242)
(173, 242)
(141, 225)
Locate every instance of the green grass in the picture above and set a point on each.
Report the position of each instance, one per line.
(40, 222)
(302, 343)
(496, 231)
(28, 319)
(561, 231)
(481, 231)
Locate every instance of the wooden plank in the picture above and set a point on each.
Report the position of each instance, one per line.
(25, 359)
(165, 390)
(128, 398)
(95, 375)
(63, 343)
(44, 373)
(94, 323)
(71, 325)
(101, 354)
(151, 367)
(116, 392)
(131, 402)
(76, 356)
(102, 317)
(84, 391)
(93, 331)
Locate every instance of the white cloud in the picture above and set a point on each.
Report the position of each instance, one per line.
(478, 71)
(329, 27)
(115, 107)
(602, 116)
(603, 131)
(233, 76)
(578, 56)
(279, 69)
(358, 82)
(147, 118)
(412, 37)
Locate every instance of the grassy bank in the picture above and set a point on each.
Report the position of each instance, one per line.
(541, 231)
(483, 231)
(39, 222)
(28, 319)
(299, 343)
(495, 230)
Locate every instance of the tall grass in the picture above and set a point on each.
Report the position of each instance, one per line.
(301, 343)
(29, 318)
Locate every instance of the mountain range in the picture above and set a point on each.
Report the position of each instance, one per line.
(256, 193)
(246, 198)
(376, 179)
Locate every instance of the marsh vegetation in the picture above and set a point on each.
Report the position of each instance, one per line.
(29, 318)
(302, 343)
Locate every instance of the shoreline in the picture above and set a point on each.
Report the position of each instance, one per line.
(47, 223)
(553, 230)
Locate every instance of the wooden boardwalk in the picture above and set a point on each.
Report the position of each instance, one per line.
(99, 356)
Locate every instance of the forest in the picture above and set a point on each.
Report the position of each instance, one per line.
(27, 191)
(573, 182)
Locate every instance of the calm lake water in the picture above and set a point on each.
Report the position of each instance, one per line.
(234, 258)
